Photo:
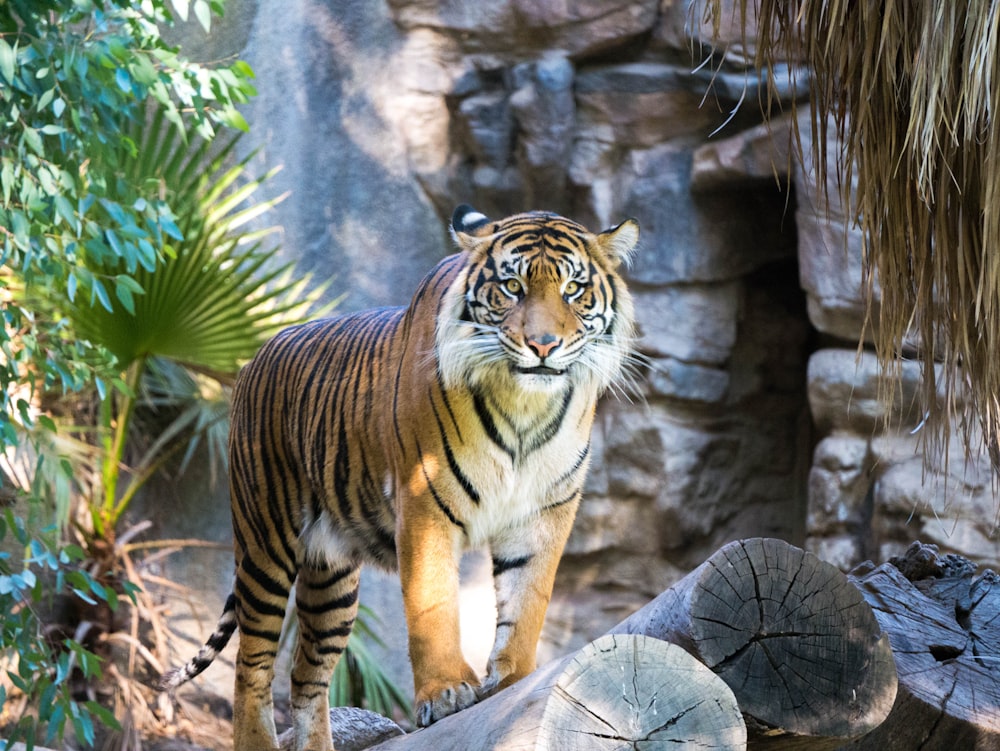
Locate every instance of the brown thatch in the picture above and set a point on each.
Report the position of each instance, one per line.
(911, 90)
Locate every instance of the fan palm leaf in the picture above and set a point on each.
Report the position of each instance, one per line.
(215, 296)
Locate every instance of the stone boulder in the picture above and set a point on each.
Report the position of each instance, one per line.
(520, 29)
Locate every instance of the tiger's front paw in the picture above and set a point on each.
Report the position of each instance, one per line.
(434, 702)
(500, 673)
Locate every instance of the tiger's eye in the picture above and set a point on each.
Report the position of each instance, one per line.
(513, 286)
(571, 288)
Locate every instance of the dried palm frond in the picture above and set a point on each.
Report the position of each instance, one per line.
(910, 91)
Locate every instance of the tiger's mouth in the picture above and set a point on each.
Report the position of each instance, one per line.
(540, 370)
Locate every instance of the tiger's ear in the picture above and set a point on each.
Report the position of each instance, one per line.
(469, 228)
(618, 243)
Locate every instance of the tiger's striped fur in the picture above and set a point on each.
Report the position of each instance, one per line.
(401, 437)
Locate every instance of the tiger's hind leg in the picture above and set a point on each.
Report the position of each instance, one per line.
(326, 600)
(261, 591)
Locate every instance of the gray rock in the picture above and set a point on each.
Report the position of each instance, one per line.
(694, 323)
(831, 274)
(486, 123)
(638, 105)
(843, 551)
(352, 729)
(688, 382)
(519, 29)
(321, 116)
(745, 159)
(544, 110)
(839, 481)
(845, 390)
(691, 237)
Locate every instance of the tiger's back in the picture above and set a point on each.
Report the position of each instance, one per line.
(402, 436)
(306, 438)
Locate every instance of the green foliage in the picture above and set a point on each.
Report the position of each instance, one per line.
(39, 664)
(74, 75)
(82, 229)
(212, 301)
(207, 307)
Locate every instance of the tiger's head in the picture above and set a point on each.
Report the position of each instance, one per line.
(539, 307)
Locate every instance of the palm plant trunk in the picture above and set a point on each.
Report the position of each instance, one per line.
(116, 417)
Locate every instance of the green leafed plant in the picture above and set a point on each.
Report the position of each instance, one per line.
(41, 663)
(72, 73)
(207, 306)
(76, 77)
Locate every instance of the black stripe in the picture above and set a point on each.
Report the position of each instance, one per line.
(396, 429)
(338, 603)
(441, 505)
(447, 404)
(502, 565)
(550, 430)
(488, 423)
(314, 661)
(456, 470)
(332, 579)
(331, 633)
(218, 641)
(198, 665)
(329, 649)
(437, 498)
(247, 630)
(303, 684)
(569, 499)
(263, 579)
(580, 459)
(258, 607)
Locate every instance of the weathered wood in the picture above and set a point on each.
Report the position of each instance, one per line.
(618, 692)
(944, 625)
(794, 640)
(352, 729)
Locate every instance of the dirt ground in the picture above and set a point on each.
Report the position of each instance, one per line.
(201, 722)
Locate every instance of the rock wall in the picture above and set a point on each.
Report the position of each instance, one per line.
(869, 489)
(754, 416)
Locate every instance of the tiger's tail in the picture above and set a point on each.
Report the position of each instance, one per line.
(210, 650)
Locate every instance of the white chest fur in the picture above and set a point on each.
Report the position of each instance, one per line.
(520, 469)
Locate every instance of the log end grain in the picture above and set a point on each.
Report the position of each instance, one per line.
(637, 692)
(794, 640)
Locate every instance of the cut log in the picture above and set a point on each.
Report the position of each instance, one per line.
(944, 625)
(798, 645)
(788, 642)
(618, 692)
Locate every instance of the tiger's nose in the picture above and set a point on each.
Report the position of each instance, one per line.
(543, 345)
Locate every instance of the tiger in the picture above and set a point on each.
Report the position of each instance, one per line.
(403, 436)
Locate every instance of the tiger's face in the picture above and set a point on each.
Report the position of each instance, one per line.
(541, 307)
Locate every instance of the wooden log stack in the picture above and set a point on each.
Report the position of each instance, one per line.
(763, 646)
(618, 692)
(801, 650)
(943, 621)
